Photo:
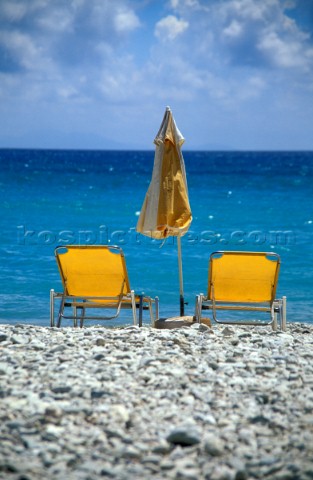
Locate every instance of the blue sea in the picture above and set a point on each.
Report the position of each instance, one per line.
(257, 201)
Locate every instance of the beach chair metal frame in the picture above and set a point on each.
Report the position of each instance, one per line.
(77, 293)
(249, 284)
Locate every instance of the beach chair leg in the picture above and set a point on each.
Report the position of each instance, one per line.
(274, 323)
(284, 314)
(151, 312)
(275, 309)
(133, 301)
(52, 308)
(157, 307)
(140, 309)
(198, 307)
(61, 311)
(82, 316)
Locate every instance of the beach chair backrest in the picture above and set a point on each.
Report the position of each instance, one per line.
(92, 270)
(246, 277)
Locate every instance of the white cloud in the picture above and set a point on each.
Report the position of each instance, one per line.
(22, 47)
(58, 20)
(224, 56)
(260, 34)
(13, 11)
(126, 21)
(187, 4)
(249, 9)
(170, 27)
(68, 92)
(282, 53)
(233, 30)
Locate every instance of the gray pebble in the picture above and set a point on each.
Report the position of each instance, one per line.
(3, 336)
(128, 403)
(184, 435)
(213, 445)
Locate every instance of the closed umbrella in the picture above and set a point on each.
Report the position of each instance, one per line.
(166, 210)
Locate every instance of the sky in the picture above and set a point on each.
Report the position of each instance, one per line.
(98, 74)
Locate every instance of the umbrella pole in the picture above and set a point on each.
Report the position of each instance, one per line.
(180, 270)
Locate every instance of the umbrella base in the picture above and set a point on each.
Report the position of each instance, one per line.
(178, 322)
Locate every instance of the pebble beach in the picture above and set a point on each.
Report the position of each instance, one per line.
(192, 403)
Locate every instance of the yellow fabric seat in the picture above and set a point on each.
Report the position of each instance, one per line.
(243, 281)
(95, 277)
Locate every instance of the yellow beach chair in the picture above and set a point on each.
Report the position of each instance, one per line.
(245, 281)
(95, 277)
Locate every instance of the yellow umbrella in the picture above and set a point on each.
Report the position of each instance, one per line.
(166, 210)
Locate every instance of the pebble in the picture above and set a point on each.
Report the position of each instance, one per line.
(193, 403)
(184, 435)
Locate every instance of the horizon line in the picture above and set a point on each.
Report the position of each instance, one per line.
(239, 150)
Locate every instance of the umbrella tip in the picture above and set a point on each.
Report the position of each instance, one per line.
(168, 109)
